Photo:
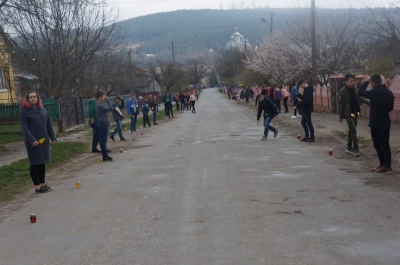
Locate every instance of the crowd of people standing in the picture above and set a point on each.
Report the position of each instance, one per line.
(301, 94)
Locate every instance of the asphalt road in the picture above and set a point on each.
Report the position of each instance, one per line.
(204, 189)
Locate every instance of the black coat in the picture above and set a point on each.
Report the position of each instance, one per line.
(381, 103)
(307, 100)
(36, 124)
(268, 107)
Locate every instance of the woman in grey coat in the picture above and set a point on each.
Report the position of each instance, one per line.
(38, 132)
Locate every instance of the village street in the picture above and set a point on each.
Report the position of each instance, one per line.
(204, 189)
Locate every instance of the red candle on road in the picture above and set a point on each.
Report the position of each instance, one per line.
(298, 136)
(33, 218)
(330, 152)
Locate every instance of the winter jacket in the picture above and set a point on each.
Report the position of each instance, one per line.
(102, 109)
(307, 100)
(132, 106)
(344, 105)
(381, 103)
(116, 112)
(268, 107)
(92, 110)
(36, 124)
(293, 94)
(284, 93)
(277, 94)
(145, 108)
(168, 104)
(153, 106)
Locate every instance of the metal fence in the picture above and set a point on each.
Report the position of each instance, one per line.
(9, 112)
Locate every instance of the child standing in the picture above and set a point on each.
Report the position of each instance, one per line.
(145, 111)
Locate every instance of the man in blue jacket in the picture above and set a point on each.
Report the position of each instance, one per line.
(132, 106)
(270, 111)
(381, 103)
(293, 98)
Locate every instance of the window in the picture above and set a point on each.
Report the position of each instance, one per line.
(3, 83)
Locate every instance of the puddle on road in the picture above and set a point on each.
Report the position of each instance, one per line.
(282, 175)
(334, 231)
(384, 252)
(291, 152)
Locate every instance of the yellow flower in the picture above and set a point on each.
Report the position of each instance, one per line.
(41, 140)
(358, 114)
(352, 115)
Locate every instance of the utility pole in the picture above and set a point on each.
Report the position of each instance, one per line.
(314, 44)
(173, 53)
(272, 21)
(130, 72)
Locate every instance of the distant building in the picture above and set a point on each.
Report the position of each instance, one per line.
(238, 41)
(7, 91)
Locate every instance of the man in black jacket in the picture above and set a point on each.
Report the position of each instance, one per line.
(381, 103)
(307, 105)
(270, 111)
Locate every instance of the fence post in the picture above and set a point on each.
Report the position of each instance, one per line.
(76, 111)
(83, 115)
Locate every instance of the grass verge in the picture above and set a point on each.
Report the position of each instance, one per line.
(15, 177)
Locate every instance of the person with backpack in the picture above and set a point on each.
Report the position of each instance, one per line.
(168, 108)
(293, 98)
(270, 111)
(118, 117)
(277, 97)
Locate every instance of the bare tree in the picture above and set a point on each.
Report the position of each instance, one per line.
(385, 24)
(197, 70)
(337, 41)
(58, 39)
(170, 75)
(230, 63)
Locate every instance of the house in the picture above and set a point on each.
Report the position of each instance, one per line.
(7, 91)
(146, 83)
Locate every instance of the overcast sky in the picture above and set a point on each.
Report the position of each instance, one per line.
(134, 8)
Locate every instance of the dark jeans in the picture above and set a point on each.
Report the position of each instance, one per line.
(169, 112)
(103, 127)
(192, 103)
(278, 105)
(267, 126)
(133, 123)
(285, 104)
(96, 134)
(177, 105)
(38, 174)
(380, 138)
(307, 125)
(154, 117)
(118, 129)
(188, 106)
(352, 139)
(295, 102)
(183, 105)
(146, 120)
(247, 98)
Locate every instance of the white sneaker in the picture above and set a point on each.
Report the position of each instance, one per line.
(299, 116)
(293, 117)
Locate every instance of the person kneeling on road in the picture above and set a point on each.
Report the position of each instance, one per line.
(270, 111)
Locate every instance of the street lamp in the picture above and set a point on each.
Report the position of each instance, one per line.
(272, 21)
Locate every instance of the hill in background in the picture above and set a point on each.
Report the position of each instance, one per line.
(197, 30)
